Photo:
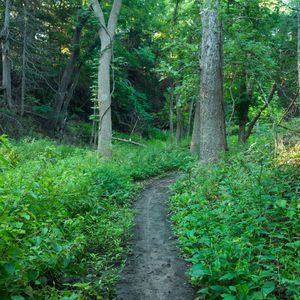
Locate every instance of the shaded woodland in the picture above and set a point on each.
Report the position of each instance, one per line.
(98, 97)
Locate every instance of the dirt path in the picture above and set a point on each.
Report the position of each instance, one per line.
(154, 270)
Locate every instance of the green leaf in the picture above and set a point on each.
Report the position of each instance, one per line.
(9, 268)
(227, 276)
(203, 291)
(56, 247)
(257, 296)
(44, 230)
(26, 216)
(228, 297)
(198, 271)
(67, 260)
(17, 298)
(19, 225)
(243, 288)
(218, 288)
(281, 203)
(268, 288)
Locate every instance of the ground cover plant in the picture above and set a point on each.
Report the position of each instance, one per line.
(65, 215)
(139, 84)
(238, 222)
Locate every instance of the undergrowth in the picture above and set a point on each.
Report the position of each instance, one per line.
(65, 216)
(238, 224)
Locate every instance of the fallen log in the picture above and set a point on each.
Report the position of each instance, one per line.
(129, 141)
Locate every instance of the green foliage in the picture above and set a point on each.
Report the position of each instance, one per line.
(238, 223)
(65, 216)
(8, 157)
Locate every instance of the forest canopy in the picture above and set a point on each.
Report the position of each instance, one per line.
(51, 58)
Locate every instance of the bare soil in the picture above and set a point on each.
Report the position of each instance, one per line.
(154, 269)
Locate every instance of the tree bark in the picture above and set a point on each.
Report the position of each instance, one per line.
(64, 110)
(212, 119)
(106, 34)
(68, 74)
(24, 59)
(191, 108)
(179, 125)
(298, 60)
(195, 145)
(243, 123)
(171, 114)
(242, 109)
(6, 63)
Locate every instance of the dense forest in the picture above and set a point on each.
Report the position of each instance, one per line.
(149, 149)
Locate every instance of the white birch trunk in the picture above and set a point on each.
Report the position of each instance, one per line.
(106, 34)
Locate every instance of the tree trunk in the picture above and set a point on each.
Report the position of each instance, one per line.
(6, 63)
(191, 108)
(106, 34)
(104, 98)
(68, 73)
(242, 109)
(298, 60)
(195, 145)
(64, 111)
(179, 125)
(171, 114)
(24, 60)
(212, 119)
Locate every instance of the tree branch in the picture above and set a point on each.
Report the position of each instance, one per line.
(98, 12)
(255, 119)
(129, 141)
(113, 18)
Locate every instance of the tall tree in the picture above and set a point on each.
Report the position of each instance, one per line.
(107, 33)
(179, 120)
(298, 48)
(24, 58)
(6, 63)
(195, 145)
(212, 116)
(70, 72)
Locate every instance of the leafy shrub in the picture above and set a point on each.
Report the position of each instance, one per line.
(238, 223)
(65, 216)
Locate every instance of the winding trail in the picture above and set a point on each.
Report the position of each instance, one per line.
(154, 270)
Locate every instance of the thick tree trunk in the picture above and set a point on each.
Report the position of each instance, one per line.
(212, 119)
(104, 98)
(106, 34)
(64, 111)
(6, 63)
(195, 145)
(24, 60)
(68, 74)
